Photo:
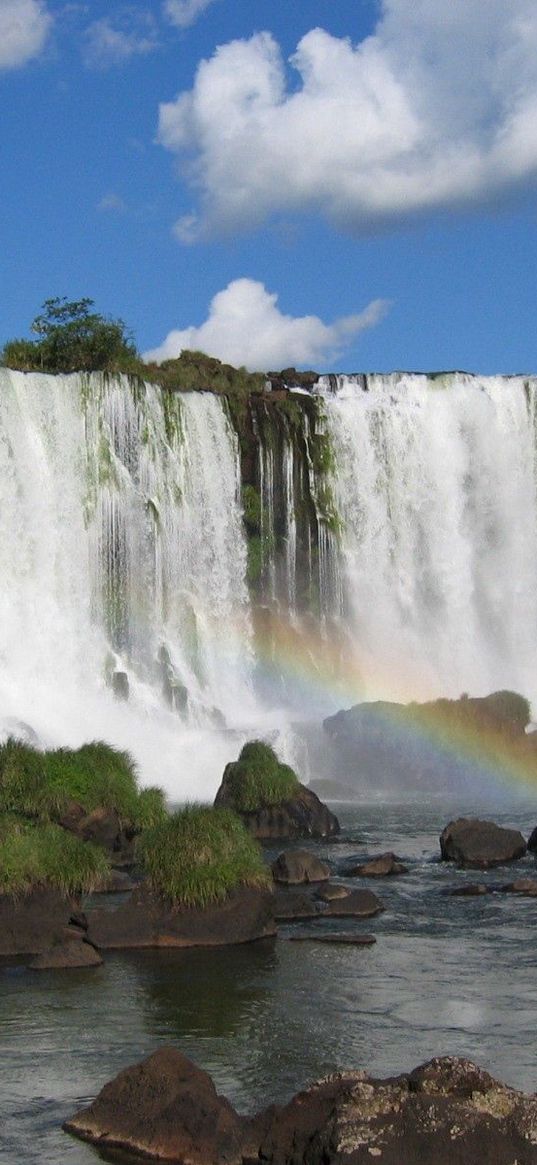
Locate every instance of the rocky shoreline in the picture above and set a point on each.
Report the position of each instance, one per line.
(445, 1111)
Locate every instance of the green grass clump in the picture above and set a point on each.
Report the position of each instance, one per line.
(199, 854)
(41, 784)
(258, 779)
(151, 807)
(37, 854)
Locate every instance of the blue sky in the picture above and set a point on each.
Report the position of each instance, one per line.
(338, 185)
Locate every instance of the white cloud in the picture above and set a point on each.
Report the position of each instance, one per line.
(246, 327)
(24, 28)
(436, 109)
(183, 13)
(130, 34)
(112, 202)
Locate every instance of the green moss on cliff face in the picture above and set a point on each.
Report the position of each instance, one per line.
(43, 854)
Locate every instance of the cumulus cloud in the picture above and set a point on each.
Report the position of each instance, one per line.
(24, 28)
(112, 203)
(183, 13)
(437, 108)
(246, 327)
(111, 42)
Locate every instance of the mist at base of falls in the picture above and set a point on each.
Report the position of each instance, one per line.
(123, 552)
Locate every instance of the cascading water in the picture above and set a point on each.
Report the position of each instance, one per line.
(122, 549)
(396, 543)
(435, 484)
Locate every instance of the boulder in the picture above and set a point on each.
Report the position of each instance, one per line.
(303, 815)
(333, 891)
(532, 841)
(446, 1112)
(293, 905)
(294, 866)
(357, 904)
(101, 826)
(381, 866)
(118, 882)
(479, 845)
(147, 920)
(525, 886)
(33, 922)
(470, 890)
(67, 954)
(166, 1109)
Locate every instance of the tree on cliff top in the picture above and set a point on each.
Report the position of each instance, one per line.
(73, 338)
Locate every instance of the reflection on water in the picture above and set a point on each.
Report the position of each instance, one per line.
(447, 975)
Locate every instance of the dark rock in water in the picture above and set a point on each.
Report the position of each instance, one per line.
(166, 1109)
(299, 865)
(333, 936)
(446, 1112)
(293, 905)
(527, 887)
(357, 904)
(479, 845)
(33, 922)
(303, 815)
(471, 890)
(332, 892)
(382, 866)
(65, 955)
(120, 685)
(147, 920)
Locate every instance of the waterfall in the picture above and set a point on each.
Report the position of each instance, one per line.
(122, 550)
(435, 483)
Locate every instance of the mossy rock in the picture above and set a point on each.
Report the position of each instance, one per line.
(258, 779)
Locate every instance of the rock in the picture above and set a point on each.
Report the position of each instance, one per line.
(479, 845)
(118, 882)
(382, 866)
(292, 906)
(166, 1109)
(103, 827)
(446, 1112)
(354, 940)
(32, 923)
(299, 865)
(120, 685)
(146, 920)
(525, 886)
(67, 954)
(304, 815)
(332, 892)
(471, 890)
(357, 904)
(532, 842)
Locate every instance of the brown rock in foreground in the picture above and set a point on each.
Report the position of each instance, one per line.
(381, 866)
(479, 845)
(146, 920)
(65, 955)
(446, 1112)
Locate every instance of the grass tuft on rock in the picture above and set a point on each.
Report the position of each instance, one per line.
(199, 854)
(42, 784)
(258, 779)
(43, 854)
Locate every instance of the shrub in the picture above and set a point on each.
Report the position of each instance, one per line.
(73, 338)
(41, 784)
(37, 854)
(258, 779)
(199, 854)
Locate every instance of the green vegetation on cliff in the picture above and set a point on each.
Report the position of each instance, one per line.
(43, 854)
(41, 785)
(73, 338)
(258, 779)
(199, 854)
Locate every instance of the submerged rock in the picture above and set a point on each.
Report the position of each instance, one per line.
(446, 1112)
(147, 920)
(479, 845)
(381, 866)
(299, 865)
(67, 954)
(357, 904)
(332, 892)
